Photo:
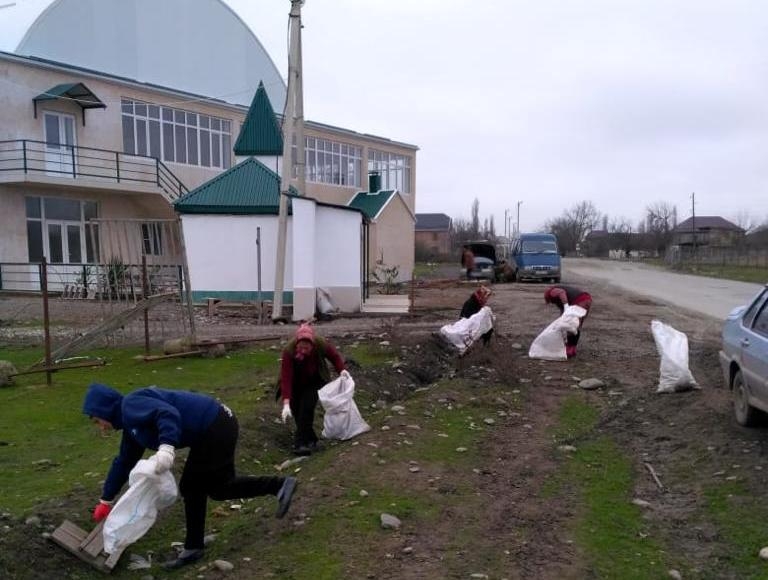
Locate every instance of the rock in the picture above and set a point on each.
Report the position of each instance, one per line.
(384, 343)
(517, 345)
(32, 521)
(209, 539)
(6, 370)
(223, 565)
(397, 408)
(591, 384)
(414, 469)
(461, 449)
(363, 493)
(408, 550)
(567, 448)
(641, 503)
(215, 351)
(390, 522)
(177, 345)
(675, 574)
(764, 553)
(479, 576)
(489, 421)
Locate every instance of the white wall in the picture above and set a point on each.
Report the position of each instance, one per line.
(222, 254)
(337, 248)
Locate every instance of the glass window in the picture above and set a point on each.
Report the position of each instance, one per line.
(91, 240)
(226, 150)
(192, 146)
(154, 111)
(90, 210)
(205, 148)
(181, 143)
(749, 314)
(55, 244)
(205, 121)
(168, 149)
(62, 209)
(33, 207)
(152, 235)
(52, 131)
(215, 151)
(129, 141)
(154, 139)
(127, 106)
(761, 321)
(167, 114)
(35, 241)
(141, 109)
(73, 244)
(141, 137)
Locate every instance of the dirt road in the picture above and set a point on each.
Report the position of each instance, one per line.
(711, 296)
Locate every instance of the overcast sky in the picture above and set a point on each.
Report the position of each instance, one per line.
(548, 102)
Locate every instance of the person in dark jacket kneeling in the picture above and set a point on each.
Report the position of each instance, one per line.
(165, 420)
(562, 296)
(474, 304)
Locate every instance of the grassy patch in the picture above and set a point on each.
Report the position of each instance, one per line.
(609, 530)
(371, 354)
(741, 273)
(741, 521)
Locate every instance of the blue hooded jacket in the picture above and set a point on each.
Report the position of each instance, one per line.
(149, 417)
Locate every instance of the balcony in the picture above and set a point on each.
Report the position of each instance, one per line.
(29, 161)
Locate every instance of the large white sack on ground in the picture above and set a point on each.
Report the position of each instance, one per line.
(136, 510)
(342, 417)
(674, 374)
(550, 344)
(463, 333)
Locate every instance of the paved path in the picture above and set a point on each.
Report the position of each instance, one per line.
(711, 296)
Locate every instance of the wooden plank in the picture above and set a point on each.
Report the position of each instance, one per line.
(70, 537)
(93, 544)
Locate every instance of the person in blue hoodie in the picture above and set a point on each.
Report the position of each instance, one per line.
(165, 420)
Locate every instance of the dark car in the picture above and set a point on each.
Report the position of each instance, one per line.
(485, 261)
(744, 358)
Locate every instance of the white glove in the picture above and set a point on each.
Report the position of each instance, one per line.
(164, 458)
(286, 414)
(345, 375)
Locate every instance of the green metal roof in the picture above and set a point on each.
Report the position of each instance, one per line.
(260, 134)
(371, 203)
(248, 188)
(75, 91)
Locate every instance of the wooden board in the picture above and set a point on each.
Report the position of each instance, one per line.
(89, 547)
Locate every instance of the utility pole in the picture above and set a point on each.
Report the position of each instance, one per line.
(506, 221)
(293, 128)
(518, 217)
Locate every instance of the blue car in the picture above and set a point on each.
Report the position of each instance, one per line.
(744, 358)
(535, 257)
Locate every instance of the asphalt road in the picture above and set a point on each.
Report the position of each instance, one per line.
(711, 296)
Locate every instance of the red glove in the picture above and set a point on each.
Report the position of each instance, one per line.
(101, 511)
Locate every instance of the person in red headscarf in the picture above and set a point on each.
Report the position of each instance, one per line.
(562, 296)
(303, 371)
(474, 304)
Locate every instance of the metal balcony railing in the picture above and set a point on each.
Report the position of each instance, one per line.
(72, 161)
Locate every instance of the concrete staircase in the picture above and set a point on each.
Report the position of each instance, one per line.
(387, 304)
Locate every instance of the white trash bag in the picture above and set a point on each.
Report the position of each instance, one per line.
(325, 304)
(675, 376)
(342, 418)
(550, 344)
(465, 332)
(136, 510)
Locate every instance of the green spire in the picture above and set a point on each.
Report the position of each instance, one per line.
(260, 134)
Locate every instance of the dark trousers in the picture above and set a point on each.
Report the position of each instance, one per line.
(210, 472)
(303, 404)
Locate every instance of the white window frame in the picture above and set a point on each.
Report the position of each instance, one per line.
(393, 168)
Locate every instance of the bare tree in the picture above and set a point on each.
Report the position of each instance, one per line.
(574, 224)
(745, 220)
(661, 218)
(491, 230)
(476, 217)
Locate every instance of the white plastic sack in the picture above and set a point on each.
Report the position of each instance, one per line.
(550, 344)
(324, 302)
(672, 345)
(136, 510)
(342, 418)
(463, 333)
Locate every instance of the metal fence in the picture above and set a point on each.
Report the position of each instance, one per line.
(46, 158)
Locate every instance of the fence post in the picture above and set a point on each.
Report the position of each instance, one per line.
(145, 285)
(46, 319)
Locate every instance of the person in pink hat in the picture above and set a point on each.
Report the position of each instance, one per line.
(303, 371)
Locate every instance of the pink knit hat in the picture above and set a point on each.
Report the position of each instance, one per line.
(305, 332)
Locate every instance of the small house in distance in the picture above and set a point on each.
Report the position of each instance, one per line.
(433, 236)
(707, 231)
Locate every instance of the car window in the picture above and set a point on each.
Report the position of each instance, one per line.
(539, 247)
(761, 321)
(749, 315)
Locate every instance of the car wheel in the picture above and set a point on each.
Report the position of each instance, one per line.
(745, 413)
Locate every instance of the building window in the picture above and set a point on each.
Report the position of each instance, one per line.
(61, 229)
(175, 135)
(395, 170)
(152, 236)
(332, 162)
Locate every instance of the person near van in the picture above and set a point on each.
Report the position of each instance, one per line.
(562, 296)
(303, 372)
(474, 304)
(468, 261)
(166, 420)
